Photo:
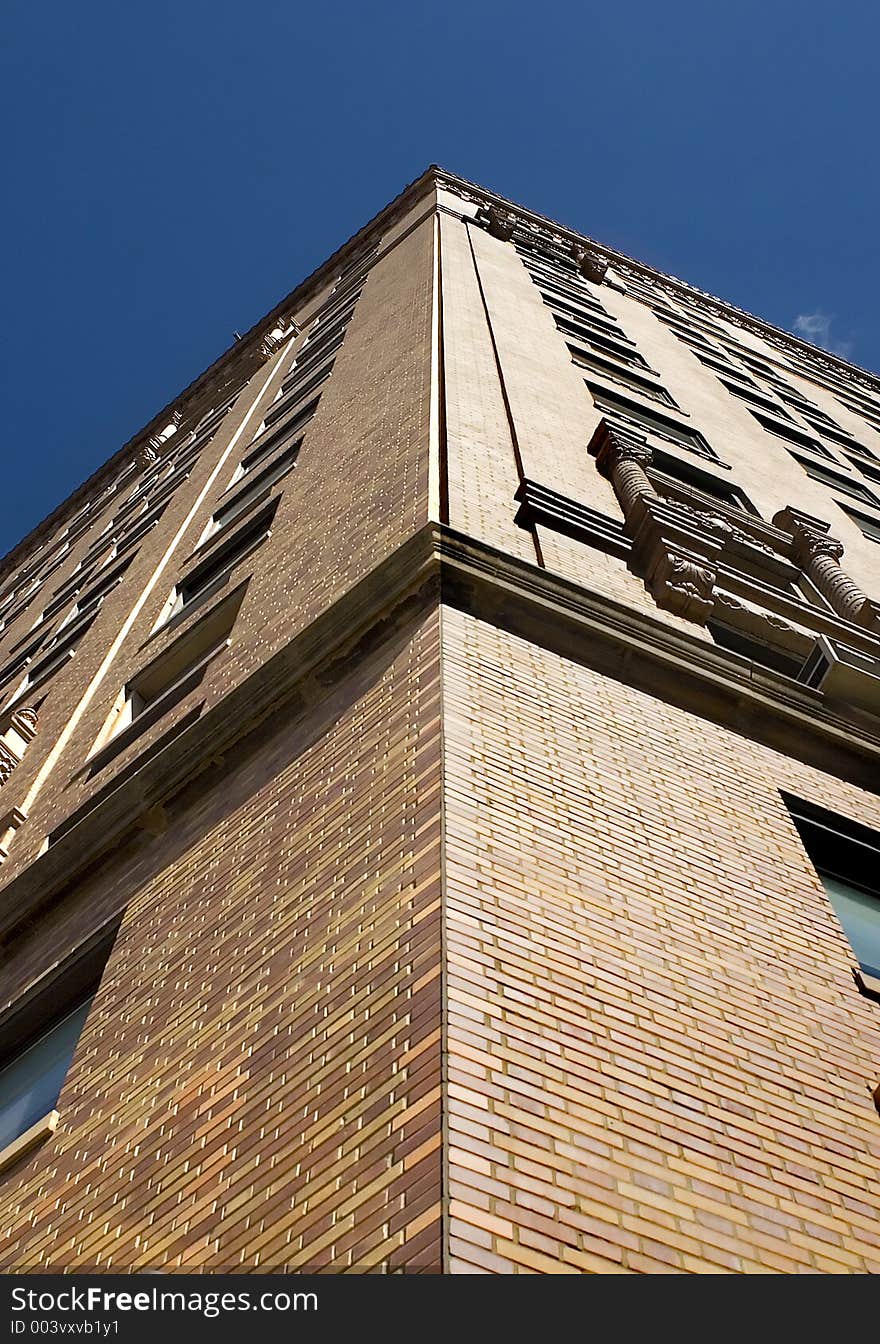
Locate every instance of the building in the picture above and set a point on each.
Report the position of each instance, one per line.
(442, 750)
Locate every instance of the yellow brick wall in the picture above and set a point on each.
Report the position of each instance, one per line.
(657, 1057)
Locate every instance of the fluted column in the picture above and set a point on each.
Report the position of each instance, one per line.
(624, 459)
(818, 554)
(13, 743)
(675, 555)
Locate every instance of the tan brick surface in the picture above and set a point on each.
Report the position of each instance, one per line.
(658, 1060)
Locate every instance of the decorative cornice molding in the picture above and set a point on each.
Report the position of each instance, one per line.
(191, 400)
(564, 237)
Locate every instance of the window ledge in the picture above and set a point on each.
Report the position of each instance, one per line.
(37, 1134)
(868, 984)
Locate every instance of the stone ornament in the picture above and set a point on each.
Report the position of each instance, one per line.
(589, 264)
(145, 456)
(499, 223)
(672, 552)
(13, 743)
(281, 332)
(156, 440)
(819, 554)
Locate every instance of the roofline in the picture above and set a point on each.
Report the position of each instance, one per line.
(433, 176)
(240, 350)
(672, 282)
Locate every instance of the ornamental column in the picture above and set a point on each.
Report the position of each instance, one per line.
(818, 554)
(14, 742)
(674, 551)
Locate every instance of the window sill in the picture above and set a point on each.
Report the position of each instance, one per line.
(153, 713)
(37, 1134)
(868, 984)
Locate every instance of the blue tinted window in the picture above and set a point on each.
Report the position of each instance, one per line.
(30, 1084)
(859, 913)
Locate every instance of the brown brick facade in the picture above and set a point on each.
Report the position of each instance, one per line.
(464, 926)
(258, 1082)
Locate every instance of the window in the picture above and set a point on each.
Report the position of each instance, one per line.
(38, 1037)
(592, 314)
(92, 598)
(213, 572)
(790, 433)
(58, 653)
(641, 289)
(252, 492)
(869, 526)
(628, 377)
(668, 472)
(167, 680)
(684, 333)
(265, 444)
(766, 655)
(142, 525)
(846, 856)
(871, 470)
(296, 394)
(274, 471)
(583, 328)
(600, 344)
(836, 482)
(721, 366)
(630, 412)
(30, 1084)
(756, 398)
(20, 661)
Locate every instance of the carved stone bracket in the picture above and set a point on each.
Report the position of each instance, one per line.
(589, 264)
(281, 332)
(500, 223)
(682, 581)
(819, 554)
(676, 553)
(14, 741)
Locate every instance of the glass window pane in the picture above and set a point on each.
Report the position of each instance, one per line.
(859, 913)
(30, 1085)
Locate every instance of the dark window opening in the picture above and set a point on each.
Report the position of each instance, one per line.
(846, 857)
(766, 655)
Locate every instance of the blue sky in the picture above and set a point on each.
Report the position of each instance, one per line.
(172, 170)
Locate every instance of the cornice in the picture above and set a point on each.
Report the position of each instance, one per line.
(438, 565)
(624, 264)
(261, 340)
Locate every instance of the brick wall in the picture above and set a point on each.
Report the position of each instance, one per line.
(657, 1058)
(257, 1084)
